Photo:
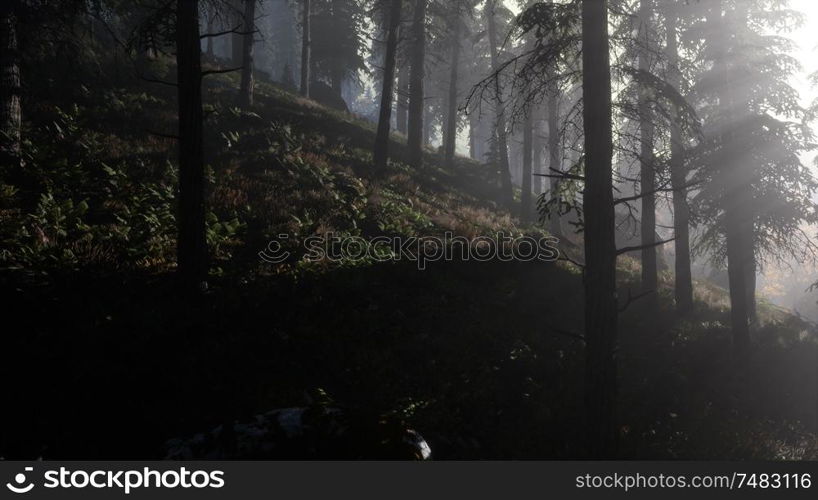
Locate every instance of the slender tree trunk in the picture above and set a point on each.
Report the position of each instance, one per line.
(646, 161)
(337, 80)
(381, 153)
(450, 137)
(247, 77)
(236, 38)
(402, 107)
(485, 135)
(210, 38)
(683, 288)
(506, 193)
(527, 174)
(378, 47)
(191, 244)
(472, 138)
(555, 224)
(750, 280)
(537, 154)
(600, 249)
(736, 274)
(305, 47)
(428, 119)
(515, 159)
(746, 208)
(10, 109)
(416, 76)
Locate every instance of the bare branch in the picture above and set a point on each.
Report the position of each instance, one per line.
(227, 32)
(154, 80)
(625, 250)
(220, 71)
(633, 298)
(655, 191)
(566, 333)
(561, 175)
(566, 258)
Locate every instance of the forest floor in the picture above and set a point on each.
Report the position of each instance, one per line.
(103, 359)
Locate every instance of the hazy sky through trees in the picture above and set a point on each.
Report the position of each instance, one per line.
(780, 284)
(806, 37)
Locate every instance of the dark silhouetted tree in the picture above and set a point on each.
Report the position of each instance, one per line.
(450, 131)
(647, 170)
(527, 174)
(305, 47)
(554, 154)
(191, 243)
(10, 110)
(402, 101)
(683, 284)
(247, 78)
(600, 249)
(416, 94)
(381, 153)
(501, 130)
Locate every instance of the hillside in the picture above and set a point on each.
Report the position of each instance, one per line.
(483, 358)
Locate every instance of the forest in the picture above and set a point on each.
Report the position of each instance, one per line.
(409, 229)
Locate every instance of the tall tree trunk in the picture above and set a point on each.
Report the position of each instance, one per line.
(647, 170)
(402, 107)
(247, 78)
(733, 217)
(600, 248)
(417, 106)
(450, 137)
(527, 174)
(683, 287)
(506, 193)
(746, 207)
(10, 110)
(554, 154)
(381, 153)
(191, 243)
(306, 41)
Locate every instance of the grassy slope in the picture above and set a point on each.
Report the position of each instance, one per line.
(474, 355)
